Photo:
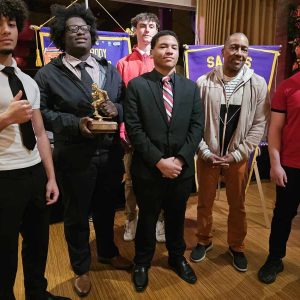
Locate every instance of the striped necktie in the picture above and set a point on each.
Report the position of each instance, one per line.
(168, 96)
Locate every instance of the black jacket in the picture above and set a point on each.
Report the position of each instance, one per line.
(64, 100)
(152, 136)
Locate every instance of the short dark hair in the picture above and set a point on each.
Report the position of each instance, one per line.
(14, 10)
(163, 33)
(233, 34)
(145, 17)
(62, 14)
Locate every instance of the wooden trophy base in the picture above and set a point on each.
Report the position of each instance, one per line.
(97, 126)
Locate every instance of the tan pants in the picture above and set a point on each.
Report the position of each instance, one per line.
(235, 179)
(130, 204)
(130, 200)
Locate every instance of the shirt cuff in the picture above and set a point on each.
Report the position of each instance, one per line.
(237, 155)
(206, 154)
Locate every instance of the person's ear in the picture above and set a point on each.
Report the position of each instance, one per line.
(133, 29)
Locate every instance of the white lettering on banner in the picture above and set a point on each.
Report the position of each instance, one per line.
(99, 52)
(218, 61)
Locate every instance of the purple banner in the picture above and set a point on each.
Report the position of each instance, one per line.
(110, 45)
(201, 59)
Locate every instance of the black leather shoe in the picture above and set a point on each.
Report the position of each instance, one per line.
(140, 278)
(183, 270)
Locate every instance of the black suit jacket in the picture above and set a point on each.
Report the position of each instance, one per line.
(150, 133)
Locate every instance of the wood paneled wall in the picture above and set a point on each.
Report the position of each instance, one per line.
(216, 19)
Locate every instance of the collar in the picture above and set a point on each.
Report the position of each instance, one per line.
(142, 52)
(13, 64)
(74, 62)
(246, 74)
(226, 78)
(58, 61)
(159, 76)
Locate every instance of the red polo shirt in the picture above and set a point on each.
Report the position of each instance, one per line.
(287, 101)
(134, 64)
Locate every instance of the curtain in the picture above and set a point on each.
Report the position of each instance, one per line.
(216, 19)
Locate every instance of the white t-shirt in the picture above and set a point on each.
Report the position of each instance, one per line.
(13, 154)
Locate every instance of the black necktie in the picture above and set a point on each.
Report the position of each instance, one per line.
(27, 134)
(85, 76)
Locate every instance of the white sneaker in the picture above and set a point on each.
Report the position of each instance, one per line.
(130, 229)
(160, 231)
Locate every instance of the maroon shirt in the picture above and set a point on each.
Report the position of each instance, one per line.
(287, 100)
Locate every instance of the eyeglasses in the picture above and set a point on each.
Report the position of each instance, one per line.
(75, 28)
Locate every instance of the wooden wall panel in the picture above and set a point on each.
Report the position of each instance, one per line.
(255, 18)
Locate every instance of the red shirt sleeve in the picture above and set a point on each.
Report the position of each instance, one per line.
(278, 103)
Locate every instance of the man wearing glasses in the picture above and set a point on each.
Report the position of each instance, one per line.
(89, 167)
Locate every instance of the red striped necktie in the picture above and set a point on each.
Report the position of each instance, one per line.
(168, 96)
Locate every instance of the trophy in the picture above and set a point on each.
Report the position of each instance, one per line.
(100, 124)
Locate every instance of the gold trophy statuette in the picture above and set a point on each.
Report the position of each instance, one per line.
(100, 124)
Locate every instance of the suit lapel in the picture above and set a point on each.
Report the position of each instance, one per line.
(156, 91)
(178, 96)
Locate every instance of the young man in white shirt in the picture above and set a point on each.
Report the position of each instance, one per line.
(27, 179)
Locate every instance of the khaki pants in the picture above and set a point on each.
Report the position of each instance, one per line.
(130, 204)
(235, 179)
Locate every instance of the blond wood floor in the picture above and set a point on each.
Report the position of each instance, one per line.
(216, 277)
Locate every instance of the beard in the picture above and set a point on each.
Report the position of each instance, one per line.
(6, 51)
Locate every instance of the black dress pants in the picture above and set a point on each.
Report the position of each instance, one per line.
(23, 209)
(287, 202)
(91, 190)
(152, 196)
